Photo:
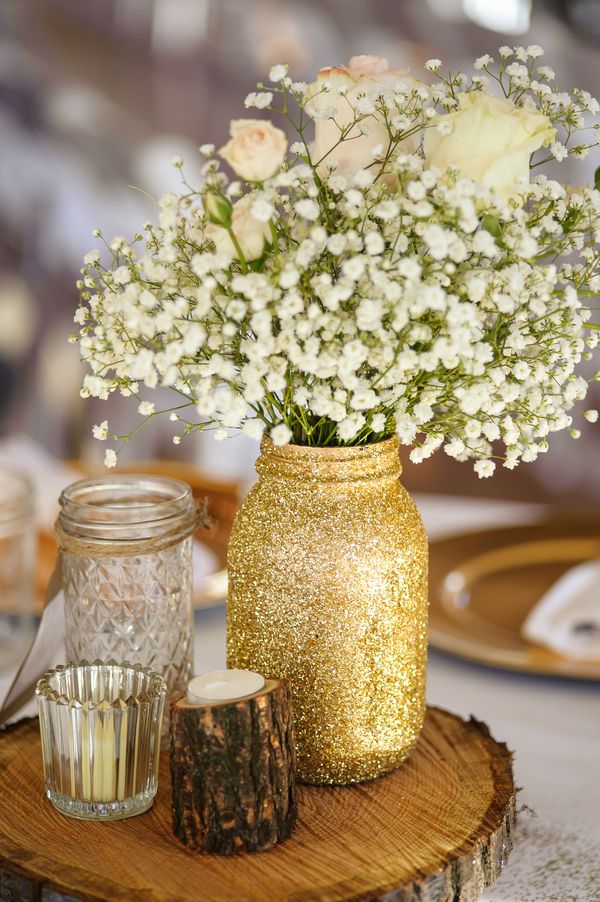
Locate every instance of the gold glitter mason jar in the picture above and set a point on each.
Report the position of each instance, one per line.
(328, 588)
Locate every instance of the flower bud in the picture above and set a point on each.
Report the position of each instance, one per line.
(218, 210)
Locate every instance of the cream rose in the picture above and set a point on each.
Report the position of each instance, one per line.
(491, 141)
(256, 149)
(252, 236)
(365, 75)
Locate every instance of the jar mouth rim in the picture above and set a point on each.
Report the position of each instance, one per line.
(75, 493)
(343, 452)
(124, 507)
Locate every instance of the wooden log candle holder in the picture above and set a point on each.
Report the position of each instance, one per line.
(233, 771)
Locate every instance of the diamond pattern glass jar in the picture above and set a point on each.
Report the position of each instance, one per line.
(100, 729)
(126, 544)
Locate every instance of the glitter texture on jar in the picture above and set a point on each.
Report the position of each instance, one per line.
(328, 589)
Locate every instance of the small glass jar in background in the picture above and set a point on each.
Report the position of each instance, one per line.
(126, 546)
(100, 729)
(18, 544)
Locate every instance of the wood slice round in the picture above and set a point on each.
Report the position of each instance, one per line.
(438, 829)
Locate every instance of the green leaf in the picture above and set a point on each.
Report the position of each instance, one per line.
(257, 265)
(597, 179)
(491, 225)
(571, 220)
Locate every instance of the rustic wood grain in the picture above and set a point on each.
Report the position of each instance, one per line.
(436, 830)
(233, 772)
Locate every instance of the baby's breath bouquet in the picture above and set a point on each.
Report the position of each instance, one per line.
(408, 269)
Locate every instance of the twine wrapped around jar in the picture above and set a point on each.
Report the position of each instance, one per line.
(67, 542)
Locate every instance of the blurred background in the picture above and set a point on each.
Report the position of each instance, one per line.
(99, 96)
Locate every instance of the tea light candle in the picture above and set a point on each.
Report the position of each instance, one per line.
(223, 686)
(100, 731)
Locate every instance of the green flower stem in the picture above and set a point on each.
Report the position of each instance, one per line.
(238, 249)
(275, 237)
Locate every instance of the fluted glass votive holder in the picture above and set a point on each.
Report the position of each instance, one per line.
(100, 726)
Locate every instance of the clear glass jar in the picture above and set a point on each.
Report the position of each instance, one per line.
(17, 565)
(100, 729)
(126, 546)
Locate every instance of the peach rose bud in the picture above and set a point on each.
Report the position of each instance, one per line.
(256, 149)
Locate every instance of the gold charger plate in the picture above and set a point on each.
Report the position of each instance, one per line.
(222, 499)
(483, 585)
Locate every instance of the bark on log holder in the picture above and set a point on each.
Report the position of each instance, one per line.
(233, 771)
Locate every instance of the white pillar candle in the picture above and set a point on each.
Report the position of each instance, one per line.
(223, 686)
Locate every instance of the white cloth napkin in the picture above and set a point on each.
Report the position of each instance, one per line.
(567, 617)
(44, 652)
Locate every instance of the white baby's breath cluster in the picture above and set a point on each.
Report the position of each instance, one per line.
(400, 275)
